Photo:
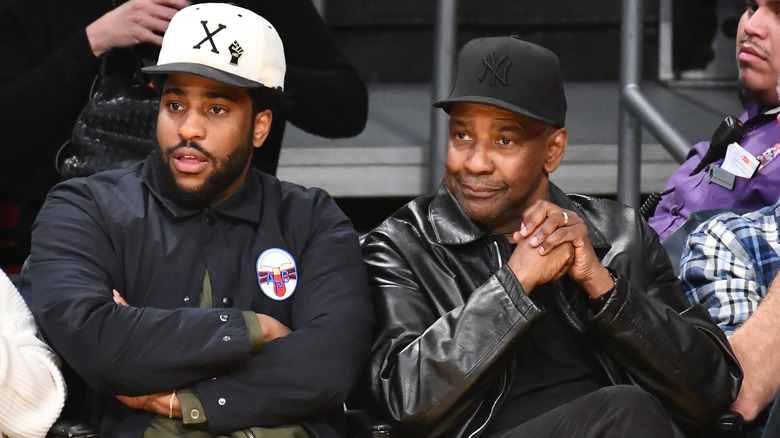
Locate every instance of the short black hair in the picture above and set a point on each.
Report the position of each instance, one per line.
(265, 98)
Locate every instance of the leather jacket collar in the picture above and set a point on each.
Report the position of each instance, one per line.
(453, 227)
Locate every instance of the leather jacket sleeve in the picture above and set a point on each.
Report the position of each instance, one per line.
(426, 363)
(649, 329)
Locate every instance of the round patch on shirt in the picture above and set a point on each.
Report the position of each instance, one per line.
(277, 273)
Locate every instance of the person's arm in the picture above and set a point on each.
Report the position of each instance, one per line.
(668, 347)
(677, 354)
(131, 23)
(330, 99)
(426, 361)
(262, 329)
(183, 403)
(74, 268)
(32, 389)
(720, 273)
(758, 349)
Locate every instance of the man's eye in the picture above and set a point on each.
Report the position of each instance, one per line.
(505, 140)
(217, 110)
(174, 106)
(460, 135)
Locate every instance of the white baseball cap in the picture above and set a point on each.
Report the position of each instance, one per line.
(224, 43)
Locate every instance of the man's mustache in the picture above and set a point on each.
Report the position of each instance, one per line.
(750, 42)
(191, 144)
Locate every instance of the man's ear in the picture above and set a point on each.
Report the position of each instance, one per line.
(556, 146)
(262, 127)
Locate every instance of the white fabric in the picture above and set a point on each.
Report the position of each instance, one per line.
(32, 390)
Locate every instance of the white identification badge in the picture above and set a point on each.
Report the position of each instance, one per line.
(739, 162)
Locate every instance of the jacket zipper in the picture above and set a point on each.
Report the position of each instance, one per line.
(479, 430)
(571, 320)
(249, 433)
(492, 409)
(498, 255)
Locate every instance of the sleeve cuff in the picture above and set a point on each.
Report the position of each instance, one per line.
(596, 304)
(605, 309)
(191, 409)
(514, 290)
(255, 331)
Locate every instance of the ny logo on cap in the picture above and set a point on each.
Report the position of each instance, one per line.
(209, 36)
(489, 63)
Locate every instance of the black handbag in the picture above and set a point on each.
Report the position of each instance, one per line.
(118, 125)
(71, 429)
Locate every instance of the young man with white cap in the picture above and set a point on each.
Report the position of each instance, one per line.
(194, 295)
(506, 308)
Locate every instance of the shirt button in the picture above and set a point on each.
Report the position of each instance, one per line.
(223, 318)
(675, 211)
(186, 299)
(208, 215)
(226, 338)
(221, 401)
(194, 414)
(227, 301)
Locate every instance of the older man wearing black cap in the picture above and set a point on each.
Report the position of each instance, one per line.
(194, 295)
(507, 308)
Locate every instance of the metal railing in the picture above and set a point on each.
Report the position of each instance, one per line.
(636, 111)
(444, 50)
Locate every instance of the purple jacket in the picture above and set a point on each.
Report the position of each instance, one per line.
(696, 193)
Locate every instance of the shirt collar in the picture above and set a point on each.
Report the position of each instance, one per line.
(245, 204)
(450, 224)
(453, 227)
(753, 109)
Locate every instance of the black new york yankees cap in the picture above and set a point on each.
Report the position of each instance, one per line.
(510, 74)
(224, 43)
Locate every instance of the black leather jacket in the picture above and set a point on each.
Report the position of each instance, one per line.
(448, 310)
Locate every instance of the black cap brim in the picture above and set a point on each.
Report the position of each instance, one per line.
(203, 71)
(447, 104)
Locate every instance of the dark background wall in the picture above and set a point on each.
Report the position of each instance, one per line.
(393, 41)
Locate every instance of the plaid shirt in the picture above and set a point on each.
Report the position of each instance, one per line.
(730, 262)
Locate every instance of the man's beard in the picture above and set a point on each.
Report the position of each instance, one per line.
(745, 94)
(226, 171)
